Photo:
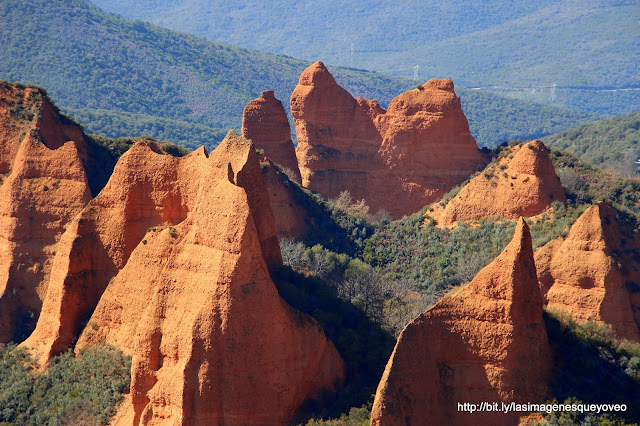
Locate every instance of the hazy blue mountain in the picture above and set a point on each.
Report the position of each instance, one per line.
(570, 53)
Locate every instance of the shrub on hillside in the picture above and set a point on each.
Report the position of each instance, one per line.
(74, 390)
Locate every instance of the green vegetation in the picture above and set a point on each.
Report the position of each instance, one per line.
(592, 367)
(432, 260)
(329, 225)
(74, 390)
(363, 344)
(119, 124)
(494, 120)
(149, 73)
(584, 183)
(390, 303)
(613, 144)
(356, 417)
(126, 78)
(577, 53)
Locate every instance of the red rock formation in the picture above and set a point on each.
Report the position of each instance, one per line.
(265, 122)
(428, 123)
(398, 160)
(487, 342)
(43, 185)
(239, 154)
(146, 189)
(290, 215)
(212, 341)
(337, 139)
(591, 273)
(521, 184)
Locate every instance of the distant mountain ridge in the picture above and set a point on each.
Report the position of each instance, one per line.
(123, 78)
(580, 54)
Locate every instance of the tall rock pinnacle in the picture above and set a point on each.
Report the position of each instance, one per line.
(486, 342)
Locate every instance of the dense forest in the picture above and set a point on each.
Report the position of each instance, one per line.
(127, 78)
(613, 143)
(120, 124)
(75, 390)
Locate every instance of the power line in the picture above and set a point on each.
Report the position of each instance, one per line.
(351, 60)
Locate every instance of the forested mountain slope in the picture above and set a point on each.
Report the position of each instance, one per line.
(123, 78)
(580, 54)
(613, 143)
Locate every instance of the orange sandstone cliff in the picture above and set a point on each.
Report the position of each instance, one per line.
(171, 263)
(593, 274)
(43, 185)
(145, 189)
(524, 183)
(292, 217)
(265, 122)
(487, 342)
(398, 160)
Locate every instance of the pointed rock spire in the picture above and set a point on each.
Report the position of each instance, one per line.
(486, 342)
(265, 122)
(587, 274)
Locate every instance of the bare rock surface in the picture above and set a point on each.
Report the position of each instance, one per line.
(170, 263)
(43, 185)
(397, 160)
(524, 185)
(592, 274)
(485, 342)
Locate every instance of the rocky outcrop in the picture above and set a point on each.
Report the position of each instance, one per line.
(487, 342)
(292, 217)
(522, 183)
(43, 185)
(594, 274)
(211, 339)
(170, 263)
(146, 189)
(265, 122)
(398, 160)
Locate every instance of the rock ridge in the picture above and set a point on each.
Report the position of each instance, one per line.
(43, 185)
(170, 263)
(398, 159)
